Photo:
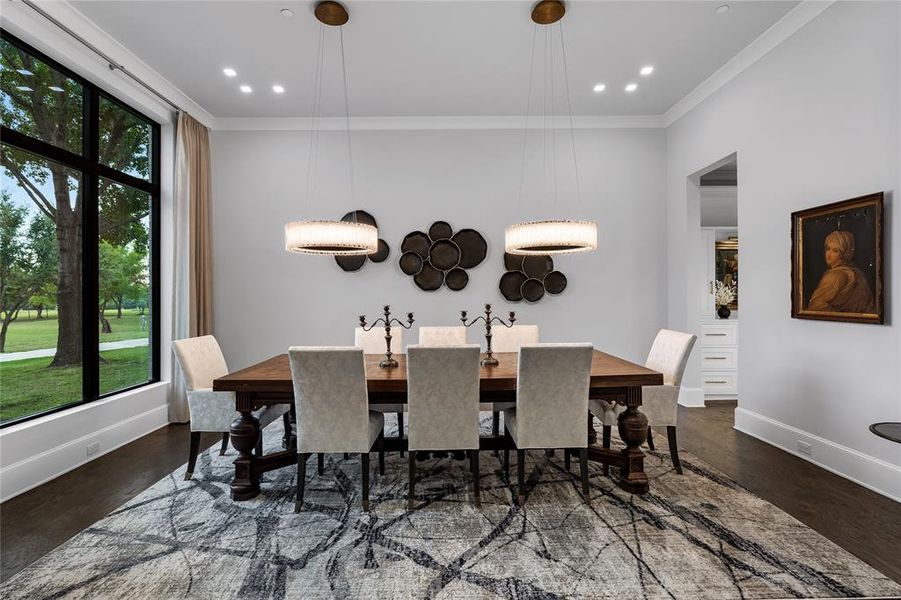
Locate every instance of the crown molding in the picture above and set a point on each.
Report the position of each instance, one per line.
(434, 123)
(780, 31)
(27, 24)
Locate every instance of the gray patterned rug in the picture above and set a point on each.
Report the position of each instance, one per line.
(698, 535)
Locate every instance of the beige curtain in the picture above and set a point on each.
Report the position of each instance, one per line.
(193, 299)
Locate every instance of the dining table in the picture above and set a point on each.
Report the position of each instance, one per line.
(269, 382)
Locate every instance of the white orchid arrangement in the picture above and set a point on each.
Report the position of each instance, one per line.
(725, 294)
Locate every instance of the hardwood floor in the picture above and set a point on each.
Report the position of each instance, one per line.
(863, 522)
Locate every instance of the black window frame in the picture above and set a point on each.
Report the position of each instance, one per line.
(91, 169)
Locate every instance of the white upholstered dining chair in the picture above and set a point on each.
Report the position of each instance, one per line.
(552, 382)
(442, 336)
(508, 339)
(373, 342)
(443, 405)
(333, 413)
(668, 355)
(201, 361)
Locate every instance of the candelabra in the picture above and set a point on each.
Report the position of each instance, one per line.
(387, 321)
(489, 360)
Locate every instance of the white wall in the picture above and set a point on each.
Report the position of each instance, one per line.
(267, 299)
(814, 121)
(44, 448)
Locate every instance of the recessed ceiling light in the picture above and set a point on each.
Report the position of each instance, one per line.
(24, 72)
(229, 72)
(599, 87)
(631, 87)
(278, 89)
(722, 8)
(647, 70)
(24, 88)
(246, 89)
(287, 12)
(55, 88)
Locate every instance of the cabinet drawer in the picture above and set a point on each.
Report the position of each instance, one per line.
(719, 335)
(719, 359)
(719, 383)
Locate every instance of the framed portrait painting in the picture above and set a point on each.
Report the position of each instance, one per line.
(727, 265)
(837, 261)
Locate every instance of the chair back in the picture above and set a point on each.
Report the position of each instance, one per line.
(442, 336)
(201, 361)
(331, 399)
(669, 355)
(510, 339)
(373, 341)
(443, 397)
(552, 383)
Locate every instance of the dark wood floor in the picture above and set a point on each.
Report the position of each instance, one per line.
(863, 522)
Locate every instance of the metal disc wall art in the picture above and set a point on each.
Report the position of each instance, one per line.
(529, 277)
(355, 263)
(441, 257)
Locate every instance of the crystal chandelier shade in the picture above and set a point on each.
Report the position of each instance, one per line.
(334, 238)
(551, 237)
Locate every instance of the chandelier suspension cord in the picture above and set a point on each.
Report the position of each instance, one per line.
(350, 156)
(569, 108)
(553, 130)
(525, 129)
(314, 138)
(544, 150)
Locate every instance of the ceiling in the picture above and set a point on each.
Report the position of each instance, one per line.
(431, 58)
(724, 175)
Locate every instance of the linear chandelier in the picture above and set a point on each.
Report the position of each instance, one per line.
(560, 236)
(334, 238)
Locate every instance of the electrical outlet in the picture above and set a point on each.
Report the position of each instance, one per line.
(93, 448)
(804, 448)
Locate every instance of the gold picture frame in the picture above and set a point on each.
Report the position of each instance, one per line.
(726, 265)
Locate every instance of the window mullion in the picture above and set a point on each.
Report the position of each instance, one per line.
(90, 256)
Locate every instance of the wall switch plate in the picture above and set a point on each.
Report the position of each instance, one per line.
(804, 447)
(93, 448)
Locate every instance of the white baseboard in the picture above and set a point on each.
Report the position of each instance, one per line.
(691, 397)
(33, 471)
(870, 472)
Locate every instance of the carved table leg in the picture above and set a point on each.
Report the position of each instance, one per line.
(633, 430)
(245, 430)
(289, 440)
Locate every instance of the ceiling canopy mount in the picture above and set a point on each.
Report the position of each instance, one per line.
(547, 12)
(331, 13)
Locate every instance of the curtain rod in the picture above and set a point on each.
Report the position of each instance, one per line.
(113, 65)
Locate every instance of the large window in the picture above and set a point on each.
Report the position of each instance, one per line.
(79, 231)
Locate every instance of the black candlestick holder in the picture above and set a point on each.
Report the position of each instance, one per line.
(388, 362)
(489, 360)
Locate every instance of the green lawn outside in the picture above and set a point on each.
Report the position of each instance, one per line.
(30, 386)
(37, 334)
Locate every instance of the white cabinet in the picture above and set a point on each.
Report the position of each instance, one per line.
(719, 359)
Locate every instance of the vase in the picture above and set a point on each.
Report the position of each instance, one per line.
(723, 312)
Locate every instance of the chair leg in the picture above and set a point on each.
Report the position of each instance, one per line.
(651, 441)
(286, 438)
(364, 466)
(381, 459)
(320, 464)
(411, 480)
(507, 463)
(583, 467)
(192, 454)
(347, 456)
(259, 449)
(520, 475)
(496, 423)
(400, 429)
(606, 444)
(474, 467)
(224, 444)
(674, 448)
(566, 459)
(301, 480)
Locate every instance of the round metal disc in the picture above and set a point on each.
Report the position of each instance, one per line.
(429, 278)
(513, 262)
(537, 266)
(331, 13)
(511, 285)
(359, 216)
(444, 255)
(473, 247)
(456, 279)
(410, 263)
(440, 230)
(555, 282)
(532, 290)
(351, 263)
(417, 242)
(382, 253)
(548, 11)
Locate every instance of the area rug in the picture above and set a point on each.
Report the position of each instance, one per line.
(697, 535)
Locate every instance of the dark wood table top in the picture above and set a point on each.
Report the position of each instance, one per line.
(274, 375)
